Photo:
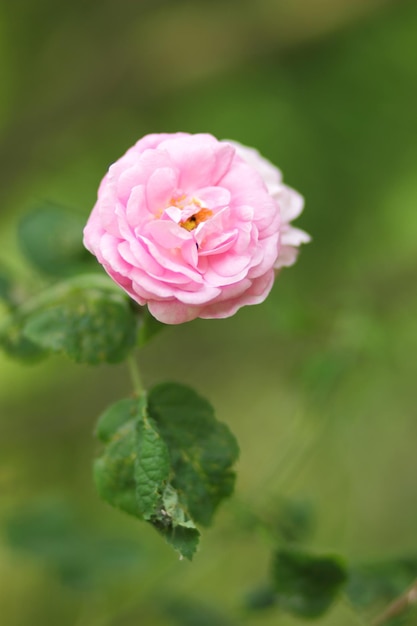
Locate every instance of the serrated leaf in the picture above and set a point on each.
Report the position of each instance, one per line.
(88, 326)
(202, 450)
(152, 468)
(132, 474)
(50, 237)
(306, 585)
(114, 470)
(173, 522)
(183, 539)
(144, 468)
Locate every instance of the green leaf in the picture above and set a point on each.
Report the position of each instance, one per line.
(88, 326)
(294, 520)
(202, 450)
(16, 345)
(132, 474)
(174, 523)
(183, 539)
(51, 239)
(115, 417)
(114, 471)
(261, 598)
(306, 585)
(12, 340)
(151, 469)
(170, 475)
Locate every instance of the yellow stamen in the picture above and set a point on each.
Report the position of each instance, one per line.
(201, 216)
(178, 201)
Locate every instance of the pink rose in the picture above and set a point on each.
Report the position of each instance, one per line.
(193, 226)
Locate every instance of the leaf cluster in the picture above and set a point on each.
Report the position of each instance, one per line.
(307, 584)
(166, 460)
(79, 312)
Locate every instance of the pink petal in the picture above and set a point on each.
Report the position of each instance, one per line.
(172, 311)
(160, 187)
(291, 203)
(166, 233)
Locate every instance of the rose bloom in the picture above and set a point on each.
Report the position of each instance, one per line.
(194, 227)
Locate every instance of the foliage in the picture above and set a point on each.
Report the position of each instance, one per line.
(166, 460)
(91, 327)
(306, 585)
(50, 237)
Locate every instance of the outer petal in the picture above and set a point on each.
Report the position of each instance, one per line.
(271, 175)
(173, 312)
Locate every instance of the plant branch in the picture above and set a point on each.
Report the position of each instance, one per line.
(398, 606)
(138, 386)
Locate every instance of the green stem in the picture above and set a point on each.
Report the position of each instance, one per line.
(134, 371)
(398, 607)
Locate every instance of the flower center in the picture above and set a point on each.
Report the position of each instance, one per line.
(192, 211)
(192, 222)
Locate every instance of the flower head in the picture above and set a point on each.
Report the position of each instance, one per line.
(193, 226)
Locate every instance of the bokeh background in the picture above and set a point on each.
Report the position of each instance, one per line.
(318, 383)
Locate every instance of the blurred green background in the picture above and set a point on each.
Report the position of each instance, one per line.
(318, 383)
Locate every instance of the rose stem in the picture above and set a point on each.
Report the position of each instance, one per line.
(138, 387)
(399, 605)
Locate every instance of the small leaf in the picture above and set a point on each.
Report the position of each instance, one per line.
(115, 417)
(51, 239)
(173, 522)
(294, 520)
(261, 598)
(88, 326)
(202, 450)
(183, 539)
(306, 585)
(16, 345)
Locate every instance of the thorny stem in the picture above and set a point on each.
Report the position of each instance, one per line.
(400, 605)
